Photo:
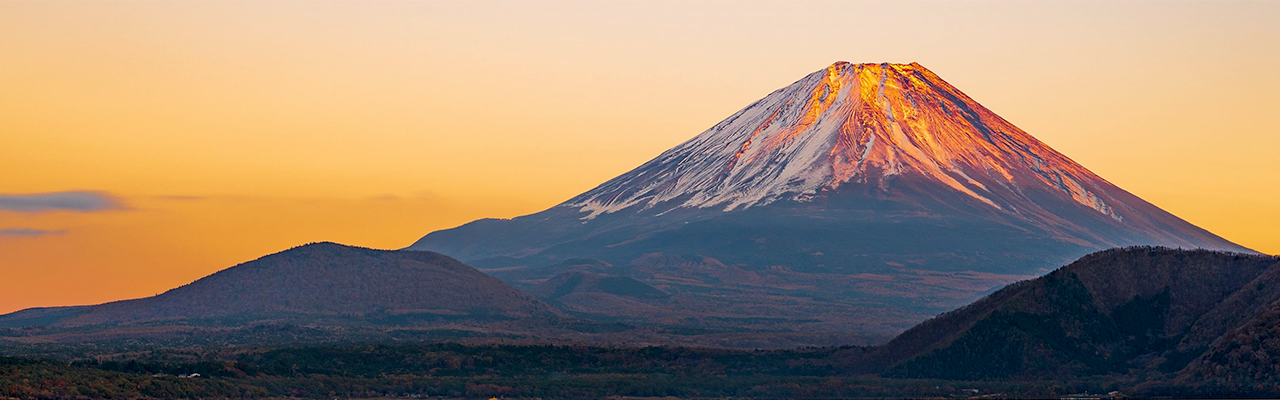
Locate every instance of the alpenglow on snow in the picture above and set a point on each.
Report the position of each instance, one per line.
(861, 123)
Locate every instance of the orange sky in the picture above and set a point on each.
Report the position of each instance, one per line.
(223, 131)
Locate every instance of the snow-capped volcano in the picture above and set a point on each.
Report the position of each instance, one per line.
(878, 171)
(861, 123)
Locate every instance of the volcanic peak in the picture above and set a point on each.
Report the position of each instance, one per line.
(852, 124)
(870, 184)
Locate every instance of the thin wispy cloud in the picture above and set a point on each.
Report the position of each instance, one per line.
(29, 232)
(81, 201)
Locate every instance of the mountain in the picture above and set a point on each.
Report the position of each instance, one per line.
(1196, 318)
(323, 283)
(863, 198)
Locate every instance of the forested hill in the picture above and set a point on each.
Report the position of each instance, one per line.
(1134, 310)
(315, 281)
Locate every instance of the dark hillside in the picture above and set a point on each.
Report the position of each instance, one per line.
(1243, 363)
(318, 281)
(1116, 311)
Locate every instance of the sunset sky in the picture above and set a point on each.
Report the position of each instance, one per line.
(146, 144)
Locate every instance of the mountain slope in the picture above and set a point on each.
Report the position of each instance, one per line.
(315, 281)
(1240, 364)
(1133, 310)
(847, 186)
(585, 282)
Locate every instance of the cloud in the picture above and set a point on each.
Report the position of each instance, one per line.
(83, 201)
(29, 232)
